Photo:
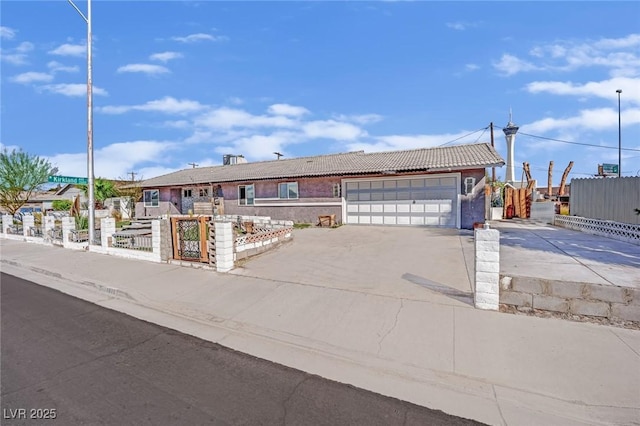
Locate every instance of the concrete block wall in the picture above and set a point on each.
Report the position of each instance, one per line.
(49, 222)
(107, 229)
(605, 301)
(7, 220)
(28, 221)
(224, 246)
(487, 269)
(69, 224)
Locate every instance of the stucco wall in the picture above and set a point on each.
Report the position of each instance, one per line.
(472, 206)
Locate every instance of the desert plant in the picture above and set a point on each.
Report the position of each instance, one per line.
(82, 222)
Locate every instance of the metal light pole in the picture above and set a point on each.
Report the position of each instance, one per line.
(619, 91)
(90, 177)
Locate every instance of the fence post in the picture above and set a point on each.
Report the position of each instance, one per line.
(166, 246)
(68, 224)
(28, 221)
(7, 221)
(48, 225)
(487, 269)
(224, 246)
(107, 229)
(156, 238)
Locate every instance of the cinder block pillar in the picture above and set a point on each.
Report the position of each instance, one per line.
(487, 269)
(28, 221)
(7, 221)
(68, 224)
(224, 246)
(166, 245)
(107, 229)
(49, 224)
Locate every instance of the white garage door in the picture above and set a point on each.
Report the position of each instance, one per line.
(416, 201)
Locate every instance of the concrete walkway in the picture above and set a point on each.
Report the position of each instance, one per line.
(399, 327)
(554, 253)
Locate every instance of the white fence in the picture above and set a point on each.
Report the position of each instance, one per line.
(606, 228)
(606, 199)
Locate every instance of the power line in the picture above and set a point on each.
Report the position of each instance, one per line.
(461, 137)
(578, 143)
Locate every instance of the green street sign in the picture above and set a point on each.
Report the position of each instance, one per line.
(610, 169)
(69, 179)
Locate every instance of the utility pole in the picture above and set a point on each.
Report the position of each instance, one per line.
(493, 169)
(193, 165)
(132, 175)
(90, 174)
(279, 154)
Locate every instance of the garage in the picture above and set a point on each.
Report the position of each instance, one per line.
(430, 200)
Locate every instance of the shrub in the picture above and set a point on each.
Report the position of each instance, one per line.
(61, 205)
(82, 222)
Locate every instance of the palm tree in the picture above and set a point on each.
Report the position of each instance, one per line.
(103, 189)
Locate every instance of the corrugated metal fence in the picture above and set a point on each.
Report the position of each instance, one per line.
(606, 199)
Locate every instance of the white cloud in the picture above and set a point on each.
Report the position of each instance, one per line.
(360, 119)
(17, 55)
(589, 119)
(228, 118)
(603, 89)
(116, 160)
(193, 38)
(234, 100)
(260, 147)
(176, 124)
(66, 49)
(461, 26)
(14, 58)
(471, 67)
(32, 77)
(57, 66)
(165, 56)
(25, 47)
(619, 56)
(332, 129)
(509, 65)
(143, 68)
(288, 110)
(7, 33)
(167, 105)
(72, 90)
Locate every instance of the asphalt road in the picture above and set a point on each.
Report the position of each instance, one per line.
(83, 364)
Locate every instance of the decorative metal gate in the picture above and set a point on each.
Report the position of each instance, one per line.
(190, 238)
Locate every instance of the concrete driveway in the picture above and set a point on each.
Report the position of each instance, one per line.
(388, 261)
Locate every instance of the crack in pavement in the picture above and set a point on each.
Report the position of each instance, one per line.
(295, 389)
(395, 323)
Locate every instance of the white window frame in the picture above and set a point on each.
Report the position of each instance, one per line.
(337, 190)
(151, 202)
(289, 185)
(247, 189)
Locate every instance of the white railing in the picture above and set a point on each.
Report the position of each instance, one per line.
(626, 232)
(132, 242)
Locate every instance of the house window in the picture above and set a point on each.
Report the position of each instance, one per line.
(116, 205)
(245, 195)
(203, 192)
(337, 190)
(288, 190)
(187, 193)
(151, 198)
(469, 183)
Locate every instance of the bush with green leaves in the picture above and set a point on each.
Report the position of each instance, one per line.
(61, 205)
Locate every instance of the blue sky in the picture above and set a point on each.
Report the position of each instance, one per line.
(180, 82)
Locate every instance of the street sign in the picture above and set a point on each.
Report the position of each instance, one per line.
(69, 179)
(610, 169)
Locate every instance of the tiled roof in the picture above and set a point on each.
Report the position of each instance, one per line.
(428, 159)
